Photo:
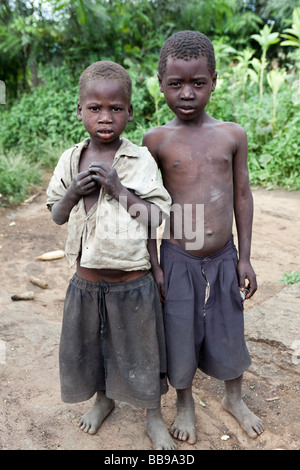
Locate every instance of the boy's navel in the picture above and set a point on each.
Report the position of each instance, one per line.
(209, 233)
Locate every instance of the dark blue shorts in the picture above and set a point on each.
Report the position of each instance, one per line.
(203, 315)
(112, 339)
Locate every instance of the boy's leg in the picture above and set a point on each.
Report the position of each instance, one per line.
(184, 326)
(91, 421)
(233, 403)
(157, 430)
(184, 427)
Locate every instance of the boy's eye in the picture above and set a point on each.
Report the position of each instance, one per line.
(199, 83)
(94, 108)
(174, 84)
(117, 108)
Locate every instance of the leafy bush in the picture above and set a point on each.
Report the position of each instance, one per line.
(48, 113)
(17, 175)
(273, 146)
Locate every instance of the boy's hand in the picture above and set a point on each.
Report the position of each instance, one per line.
(245, 271)
(83, 184)
(107, 177)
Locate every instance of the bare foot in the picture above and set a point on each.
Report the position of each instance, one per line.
(248, 421)
(233, 403)
(184, 428)
(157, 431)
(91, 421)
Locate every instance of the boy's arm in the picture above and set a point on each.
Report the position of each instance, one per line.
(82, 185)
(243, 209)
(157, 272)
(150, 141)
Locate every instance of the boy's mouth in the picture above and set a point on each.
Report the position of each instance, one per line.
(186, 109)
(105, 133)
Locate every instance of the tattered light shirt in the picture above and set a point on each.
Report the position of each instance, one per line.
(107, 237)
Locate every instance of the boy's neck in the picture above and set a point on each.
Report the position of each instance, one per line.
(105, 147)
(197, 122)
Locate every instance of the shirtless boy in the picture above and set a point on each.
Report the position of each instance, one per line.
(203, 162)
(110, 192)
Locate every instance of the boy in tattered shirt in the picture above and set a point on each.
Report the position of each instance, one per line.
(110, 193)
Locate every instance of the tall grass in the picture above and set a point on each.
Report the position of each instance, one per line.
(17, 176)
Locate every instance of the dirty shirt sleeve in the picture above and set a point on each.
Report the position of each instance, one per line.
(61, 179)
(148, 183)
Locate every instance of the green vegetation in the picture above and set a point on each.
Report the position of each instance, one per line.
(290, 278)
(16, 175)
(44, 46)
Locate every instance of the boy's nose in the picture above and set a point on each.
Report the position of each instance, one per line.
(105, 116)
(187, 92)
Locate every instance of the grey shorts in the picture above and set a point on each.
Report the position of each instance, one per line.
(113, 339)
(203, 315)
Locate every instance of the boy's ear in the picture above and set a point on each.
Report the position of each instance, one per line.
(160, 82)
(130, 113)
(79, 109)
(214, 81)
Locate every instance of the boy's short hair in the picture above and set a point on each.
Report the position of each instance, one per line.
(107, 70)
(187, 45)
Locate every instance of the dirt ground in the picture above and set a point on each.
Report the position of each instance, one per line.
(32, 414)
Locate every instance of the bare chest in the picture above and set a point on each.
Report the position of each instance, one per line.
(89, 156)
(196, 160)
